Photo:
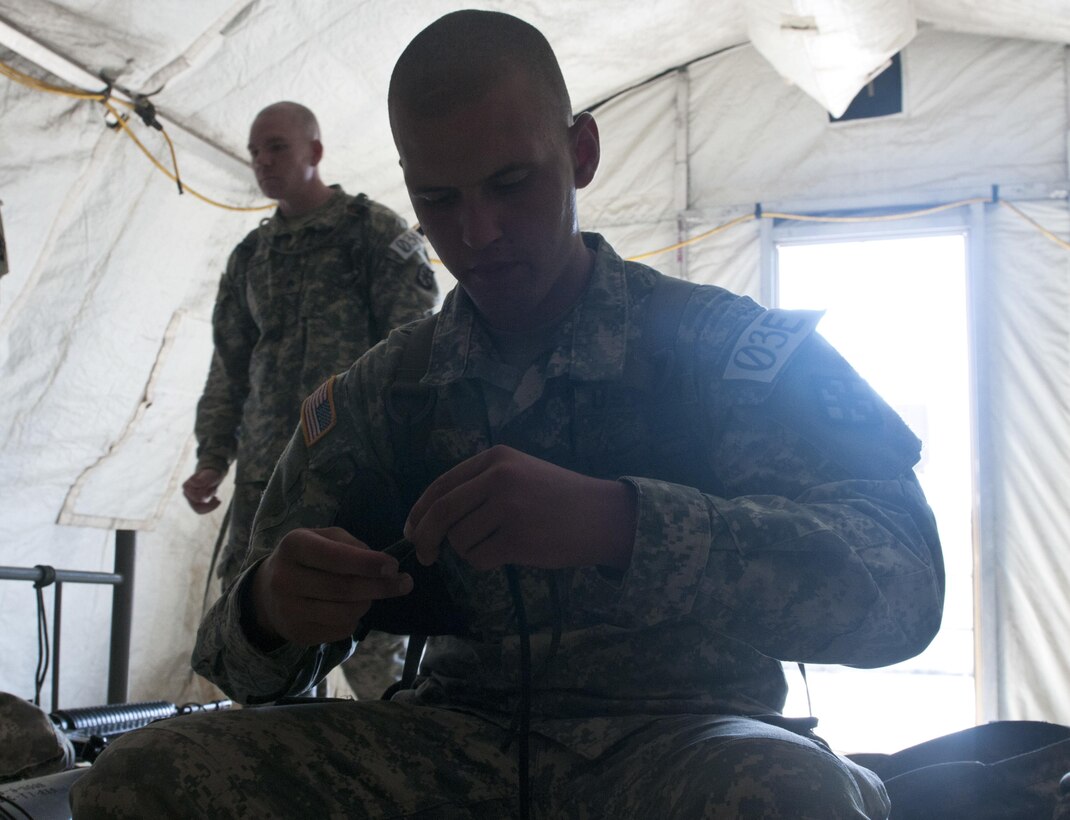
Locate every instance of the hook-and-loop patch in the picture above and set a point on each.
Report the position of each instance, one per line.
(764, 348)
(318, 414)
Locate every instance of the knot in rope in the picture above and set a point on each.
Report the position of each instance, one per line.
(48, 576)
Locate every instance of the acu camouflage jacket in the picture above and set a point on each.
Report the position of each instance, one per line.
(302, 299)
(779, 518)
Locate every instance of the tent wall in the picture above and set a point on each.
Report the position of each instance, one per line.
(1027, 411)
(93, 290)
(978, 112)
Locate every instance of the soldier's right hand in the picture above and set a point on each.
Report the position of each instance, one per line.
(318, 583)
(200, 490)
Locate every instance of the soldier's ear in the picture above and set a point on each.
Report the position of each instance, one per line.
(585, 147)
(317, 152)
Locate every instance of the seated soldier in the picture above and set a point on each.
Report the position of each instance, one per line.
(640, 496)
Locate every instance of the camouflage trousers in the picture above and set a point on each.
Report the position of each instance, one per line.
(378, 662)
(397, 759)
(376, 665)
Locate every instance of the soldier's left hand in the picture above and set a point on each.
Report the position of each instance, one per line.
(502, 506)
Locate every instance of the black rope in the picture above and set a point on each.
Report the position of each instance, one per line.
(219, 540)
(524, 707)
(48, 577)
(660, 74)
(806, 685)
(558, 625)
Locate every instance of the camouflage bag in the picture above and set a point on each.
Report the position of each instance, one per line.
(1004, 770)
(30, 744)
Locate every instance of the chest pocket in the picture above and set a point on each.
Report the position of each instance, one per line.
(272, 288)
(294, 278)
(654, 431)
(331, 276)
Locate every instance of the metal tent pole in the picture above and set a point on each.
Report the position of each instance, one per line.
(122, 607)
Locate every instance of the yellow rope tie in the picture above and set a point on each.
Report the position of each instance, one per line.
(854, 219)
(40, 85)
(1062, 243)
(739, 220)
(174, 176)
(109, 104)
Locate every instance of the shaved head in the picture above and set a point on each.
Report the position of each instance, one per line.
(301, 116)
(457, 59)
(285, 147)
(492, 159)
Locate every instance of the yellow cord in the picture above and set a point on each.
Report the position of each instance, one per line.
(109, 104)
(174, 176)
(1062, 243)
(851, 219)
(739, 220)
(40, 85)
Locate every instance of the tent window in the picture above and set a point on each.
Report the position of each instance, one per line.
(897, 309)
(880, 97)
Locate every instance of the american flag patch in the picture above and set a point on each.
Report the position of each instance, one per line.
(317, 413)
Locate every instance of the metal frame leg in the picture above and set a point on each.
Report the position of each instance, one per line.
(122, 607)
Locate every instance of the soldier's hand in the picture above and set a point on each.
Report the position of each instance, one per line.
(502, 506)
(200, 490)
(318, 583)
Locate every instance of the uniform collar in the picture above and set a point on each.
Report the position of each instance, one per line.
(591, 339)
(325, 217)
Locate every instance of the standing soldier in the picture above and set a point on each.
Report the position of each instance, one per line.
(303, 296)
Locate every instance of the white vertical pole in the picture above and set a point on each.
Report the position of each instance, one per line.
(987, 626)
(682, 170)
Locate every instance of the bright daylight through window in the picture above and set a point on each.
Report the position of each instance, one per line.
(897, 309)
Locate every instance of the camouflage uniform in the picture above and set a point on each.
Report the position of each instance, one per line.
(797, 531)
(300, 299)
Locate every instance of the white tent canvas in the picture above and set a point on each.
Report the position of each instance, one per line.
(104, 315)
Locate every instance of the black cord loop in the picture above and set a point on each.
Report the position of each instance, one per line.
(48, 576)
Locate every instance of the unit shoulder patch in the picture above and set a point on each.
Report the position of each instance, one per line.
(847, 401)
(764, 347)
(318, 413)
(407, 243)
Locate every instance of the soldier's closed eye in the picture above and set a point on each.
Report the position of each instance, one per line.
(511, 178)
(435, 196)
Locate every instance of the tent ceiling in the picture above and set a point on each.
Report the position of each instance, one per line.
(212, 65)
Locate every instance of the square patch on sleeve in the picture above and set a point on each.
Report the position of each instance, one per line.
(847, 401)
